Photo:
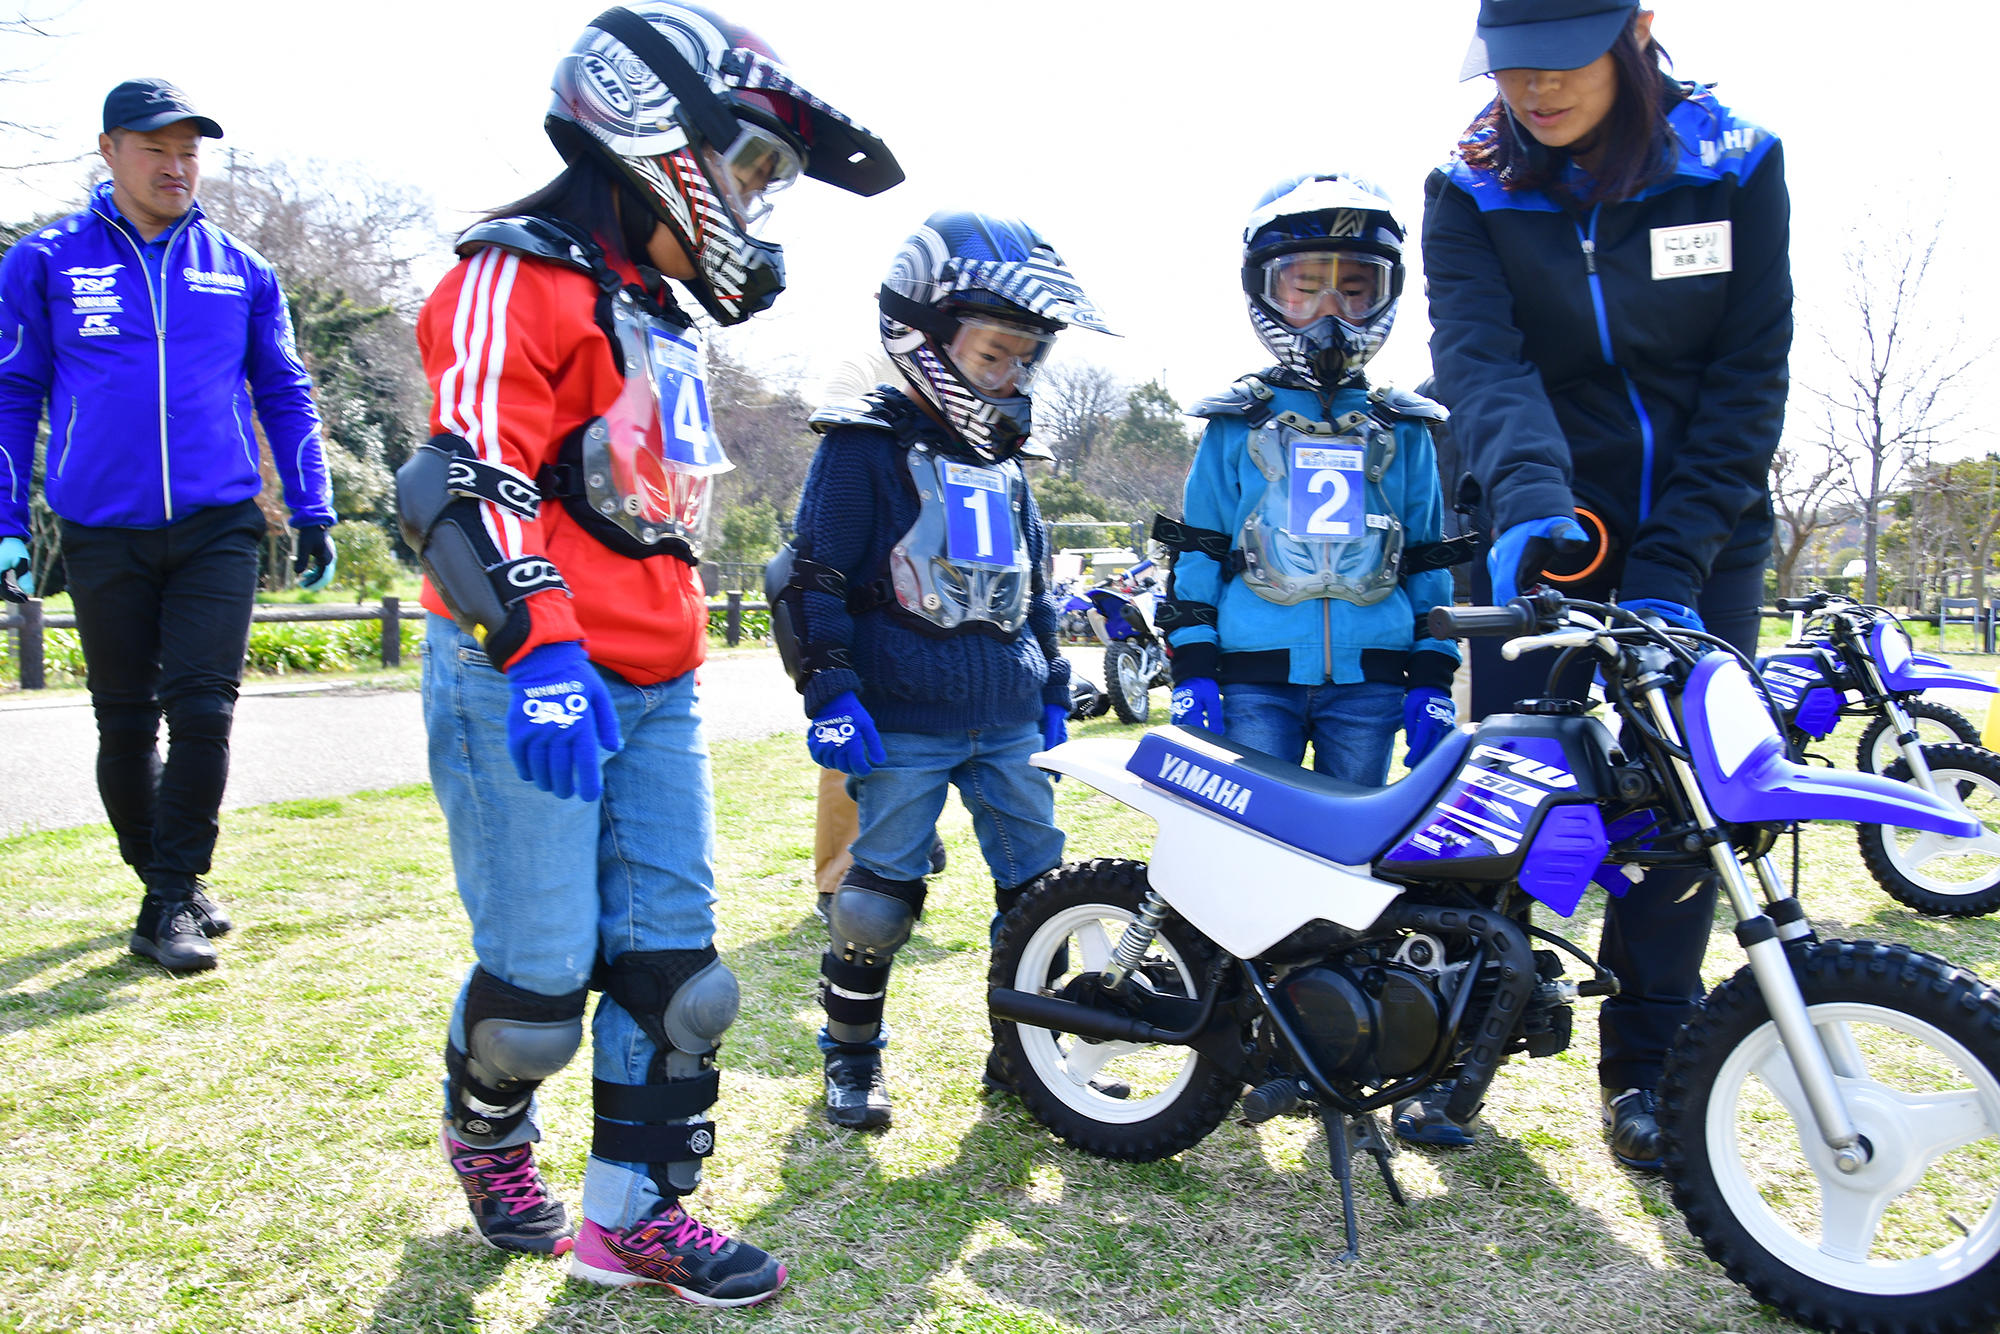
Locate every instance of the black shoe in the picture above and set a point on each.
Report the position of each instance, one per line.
(215, 919)
(169, 932)
(993, 1080)
(937, 855)
(857, 1097)
(1632, 1116)
(1422, 1120)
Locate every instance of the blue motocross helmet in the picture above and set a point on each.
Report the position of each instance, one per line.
(1323, 270)
(969, 309)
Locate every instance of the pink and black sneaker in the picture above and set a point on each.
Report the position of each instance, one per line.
(510, 1203)
(671, 1250)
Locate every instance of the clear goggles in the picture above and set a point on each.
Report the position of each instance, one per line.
(1308, 284)
(997, 357)
(757, 165)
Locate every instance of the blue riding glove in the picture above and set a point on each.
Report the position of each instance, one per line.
(1517, 558)
(313, 560)
(1428, 715)
(843, 737)
(1673, 613)
(558, 718)
(1055, 726)
(1197, 702)
(17, 578)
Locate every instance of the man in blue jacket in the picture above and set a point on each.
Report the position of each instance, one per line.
(149, 333)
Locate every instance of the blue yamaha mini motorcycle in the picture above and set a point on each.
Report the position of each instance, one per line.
(1849, 660)
(1832, 1114)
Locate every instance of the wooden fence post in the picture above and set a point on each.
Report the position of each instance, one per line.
(392, 632)
(34, 673)
(732, 622)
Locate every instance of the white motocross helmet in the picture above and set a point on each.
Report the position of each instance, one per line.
(1322, 270)
(969, 309)
(702, 119)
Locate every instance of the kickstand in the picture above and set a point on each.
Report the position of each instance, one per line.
(1339, 1159)
(1371, 1138)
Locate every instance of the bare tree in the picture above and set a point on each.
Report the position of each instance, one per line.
(23, 25)
(1897, 387)
(1966, 496)
(1803, 485)
(1077, 406)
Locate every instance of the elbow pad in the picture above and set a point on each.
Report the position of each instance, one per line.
(438, 497)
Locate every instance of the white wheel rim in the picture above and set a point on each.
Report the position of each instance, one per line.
(1132, 678)
(1945, 865)
(1751, 1149)
(1930, 732)
(1065, 1065)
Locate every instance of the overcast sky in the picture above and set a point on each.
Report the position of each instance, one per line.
(1136, 137)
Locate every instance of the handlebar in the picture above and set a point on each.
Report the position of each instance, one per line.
(1514, 619)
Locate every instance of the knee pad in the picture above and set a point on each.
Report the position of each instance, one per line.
(871, 916)
(684, 1000)
(514, 1039)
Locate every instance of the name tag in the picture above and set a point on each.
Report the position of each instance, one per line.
(1682, 252)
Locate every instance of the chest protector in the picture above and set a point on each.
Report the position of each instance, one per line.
(963, 565)
(637, 478)
(1322, 527)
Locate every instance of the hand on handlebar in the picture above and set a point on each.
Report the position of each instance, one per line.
(1519, 554)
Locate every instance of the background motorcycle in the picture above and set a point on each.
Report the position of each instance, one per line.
(1135, 657)
(1848, 660)
(1831, 1115)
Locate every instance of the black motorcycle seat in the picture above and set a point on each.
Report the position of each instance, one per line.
(1341, 822)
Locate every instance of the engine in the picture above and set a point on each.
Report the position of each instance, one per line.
(1370, 1023)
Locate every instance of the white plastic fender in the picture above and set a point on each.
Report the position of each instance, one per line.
(1242, 890)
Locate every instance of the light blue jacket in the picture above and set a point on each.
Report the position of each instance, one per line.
(1321, 639)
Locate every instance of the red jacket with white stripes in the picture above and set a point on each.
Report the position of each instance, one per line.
(517, 361)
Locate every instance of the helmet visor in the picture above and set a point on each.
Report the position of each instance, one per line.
(997, 357)
(752, 169)
(1308, 284)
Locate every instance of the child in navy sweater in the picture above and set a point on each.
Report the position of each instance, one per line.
(924, 633)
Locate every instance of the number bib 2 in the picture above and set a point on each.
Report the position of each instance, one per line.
(1328, 493)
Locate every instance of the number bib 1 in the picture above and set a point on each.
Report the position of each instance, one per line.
(963, 565)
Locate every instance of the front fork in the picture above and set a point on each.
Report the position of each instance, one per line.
(1763, 939)
(1913, 753)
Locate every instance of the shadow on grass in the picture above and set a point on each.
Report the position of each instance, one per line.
(435, 1284)
(98, 988)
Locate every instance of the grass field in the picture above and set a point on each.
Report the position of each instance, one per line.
(255, 1149)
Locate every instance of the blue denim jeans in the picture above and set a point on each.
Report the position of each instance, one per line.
(550, 883)
(1352, 728)
(1012, 803)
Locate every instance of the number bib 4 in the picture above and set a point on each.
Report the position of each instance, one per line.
(963, 565)
(1322, 527)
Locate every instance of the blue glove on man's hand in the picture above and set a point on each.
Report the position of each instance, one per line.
(843, 737)
(1428, 714)
(1055, 726)
(1673, 613)
(1197, 702)
(1520, 553)
(313, 559)
(559, 716)
(17, 577)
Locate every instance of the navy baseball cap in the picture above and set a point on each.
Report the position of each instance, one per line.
(147, 104)
(1543, 34)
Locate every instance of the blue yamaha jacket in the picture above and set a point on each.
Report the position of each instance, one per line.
(1319, 640)
(1630, 357)
(149, 393)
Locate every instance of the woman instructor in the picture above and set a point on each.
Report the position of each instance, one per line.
(1606, 254)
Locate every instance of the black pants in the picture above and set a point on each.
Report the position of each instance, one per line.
(164, 616)
(1654, 939)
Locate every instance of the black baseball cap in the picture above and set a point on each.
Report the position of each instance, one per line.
(147, 104)
(1543, 34)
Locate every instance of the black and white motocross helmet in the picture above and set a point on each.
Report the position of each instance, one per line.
(969, 310)
(699, 115)
(1323, 269)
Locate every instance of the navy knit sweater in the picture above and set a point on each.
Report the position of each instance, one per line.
(858, 501)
